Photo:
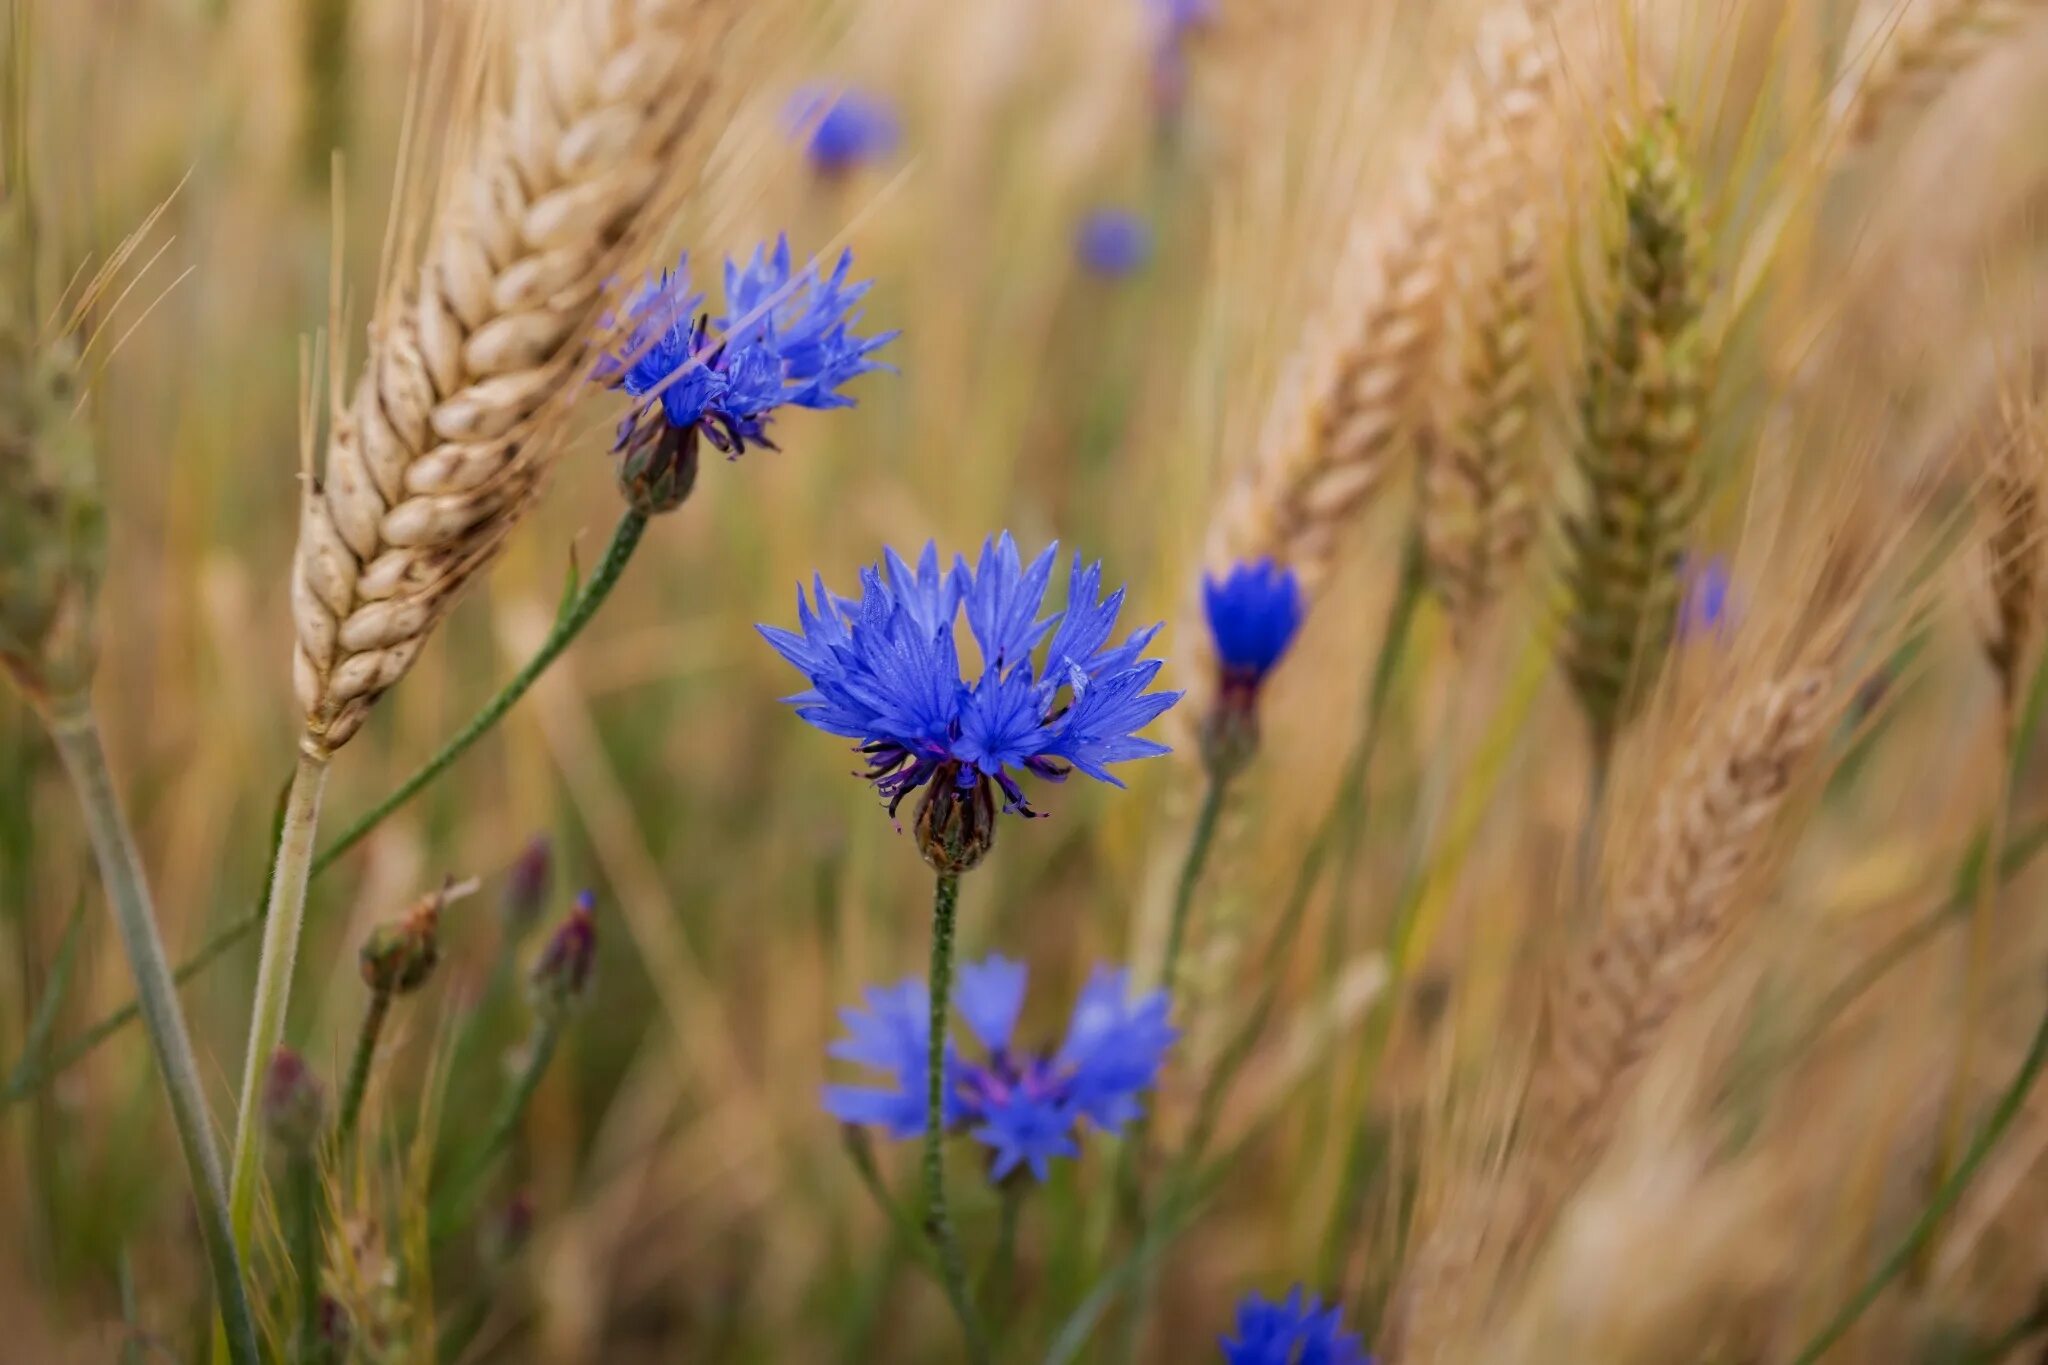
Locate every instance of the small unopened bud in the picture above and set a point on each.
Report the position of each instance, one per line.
(294, 1105)
(1230, 732)
(526, 885)
(658, 465)
(956, 825)
(335, 1327)
(399, 955)
(562, 972)
(505, 1233)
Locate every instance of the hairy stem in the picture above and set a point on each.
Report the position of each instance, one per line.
(1944, 1199)
(625, 539)
(568, 625)
(77, 737)
(282, 918)
(938, 1220)
(359, 1066)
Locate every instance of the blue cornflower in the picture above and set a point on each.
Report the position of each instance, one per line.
(1295, 1331)
(843, 129)
(1703, 607)
(1253, 615)
(1053, 694)
(1112, 242)
(1026, 1107)
(785, 340)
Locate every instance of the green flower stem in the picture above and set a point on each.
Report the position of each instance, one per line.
(1199, 844)
(359, 1066)
(1002, 1266)
(568, 625)
(302, 1234)
(466, 1190)
(282, 919)
(938, 1220)
(78, 741)
(625, 539)
(1945, 1198)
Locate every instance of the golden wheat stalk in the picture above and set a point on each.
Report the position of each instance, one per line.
(1642, 414)
(1621, 991)
(1354, 387)
(2017, 460)
(1475, 502)
(446, 438)
(1940, 41)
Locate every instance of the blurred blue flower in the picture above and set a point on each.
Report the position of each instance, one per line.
(1175, 18)
(1112, 242)
(1253, 615)
(786, 340)
(1703, 607)
(1026, 1107)
(1295, 1331)
(843, 129)
(885, 671)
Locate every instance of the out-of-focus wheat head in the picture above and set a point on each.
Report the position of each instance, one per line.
(1642, 415)
(1475, 491)
(473, 357)
(1935, 42)
(2016, 461)
(1353, 388)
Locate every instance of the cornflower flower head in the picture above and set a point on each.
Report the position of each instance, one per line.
(843, 129)
(1703, 605)
(1112, 243)
(786, 339)
(1296, 1331)
(1254, 612)
(1053, 694)
(1027, 1107)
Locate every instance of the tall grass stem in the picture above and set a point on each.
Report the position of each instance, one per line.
(467, 1188)
(76, 734)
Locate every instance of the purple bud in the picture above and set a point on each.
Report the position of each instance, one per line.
(562, 973)
(399, 955)
(294, 1105)
(526, 885)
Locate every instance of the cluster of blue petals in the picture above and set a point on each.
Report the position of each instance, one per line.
(786, 339)
(885, 670)
(1027, 1107)
(1254, 613)
(1296, 1331)
(1112, 242)
(843, 129)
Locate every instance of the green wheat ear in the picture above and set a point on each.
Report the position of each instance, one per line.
(1642, 413)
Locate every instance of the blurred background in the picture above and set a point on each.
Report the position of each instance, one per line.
(1102, 226)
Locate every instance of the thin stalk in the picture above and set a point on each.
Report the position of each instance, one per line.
(862, 1153)
(467, 1188)
(625, 539)
(570, 623)
(1944, 1199)
(302, 1234)
(77, 738)
(282, 918)
(938, 1218)
(1199, 843)
(2030, 1324)
(1976, 976)
(1002, 1266)
(359, 1065)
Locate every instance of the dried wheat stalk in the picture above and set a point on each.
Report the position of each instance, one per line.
(2012, 494)
(447, 437)
(1941, 41)
(1475, 508)
(1642, 413)
(1353, 388)
(1620, 993)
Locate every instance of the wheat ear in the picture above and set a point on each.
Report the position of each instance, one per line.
(1916, 66)
(1354, 387)
(2012, 497)
(1642, 415)
(1474, 500)
(443, 444)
